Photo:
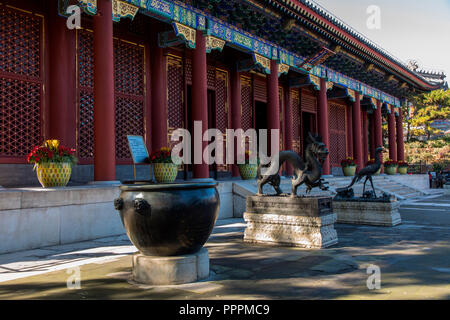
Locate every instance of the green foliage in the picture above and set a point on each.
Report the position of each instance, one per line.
(439, 166)
(428, 108)
(431, 152)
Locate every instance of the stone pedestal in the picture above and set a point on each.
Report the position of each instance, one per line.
(282, 220)
(368, 213)
(447, 189)
(156, 270)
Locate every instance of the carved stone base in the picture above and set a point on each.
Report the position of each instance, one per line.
(368, 213)
(157, 270)
(446, 188)
(301, 222)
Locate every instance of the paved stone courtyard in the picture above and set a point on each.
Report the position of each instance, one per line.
(414, 259)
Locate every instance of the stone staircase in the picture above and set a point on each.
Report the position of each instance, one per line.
(382, 183)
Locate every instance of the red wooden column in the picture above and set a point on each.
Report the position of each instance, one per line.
(288, 124)
(62, 80)
(199, 99)
(104, 111)
(391, 132)
(365, 138)
(350, 131)
(378, 128)
(273, 102)
(400, 140)
(158, 76)
(357, 147)
(323, 123)
(236, 104)
(372, 135)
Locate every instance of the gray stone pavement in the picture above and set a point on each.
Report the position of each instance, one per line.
(414, 259)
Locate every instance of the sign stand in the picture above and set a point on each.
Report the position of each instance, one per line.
(139, 153)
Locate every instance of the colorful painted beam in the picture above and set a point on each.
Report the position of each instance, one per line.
(342, 80)
(120, 9)
(318, 58)
(262, 51)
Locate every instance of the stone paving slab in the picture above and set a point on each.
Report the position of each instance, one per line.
(414, 259)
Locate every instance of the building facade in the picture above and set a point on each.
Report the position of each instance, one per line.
(138, 67)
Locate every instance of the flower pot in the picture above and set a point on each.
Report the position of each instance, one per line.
(54, 174)
(165, 172)
(168, 219)
(349, 171)
(403, 170)
(248, 171)
(391, 170)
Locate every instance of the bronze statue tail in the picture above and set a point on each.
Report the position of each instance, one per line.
(355, 179)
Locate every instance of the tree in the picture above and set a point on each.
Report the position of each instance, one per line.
(428, 108)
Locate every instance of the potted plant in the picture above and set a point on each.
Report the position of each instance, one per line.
(403, 167)
(164, 168)
(53, 163)
(248, 170)
(348, 166)
(372, 161)
(390, 167)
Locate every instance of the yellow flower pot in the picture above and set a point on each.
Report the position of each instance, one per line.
(248, 171)
(391, 170)
(54, 174)
(165, 172)
(403, 170)
(349, 171)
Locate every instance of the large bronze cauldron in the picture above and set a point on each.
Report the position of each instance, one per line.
(168, 219)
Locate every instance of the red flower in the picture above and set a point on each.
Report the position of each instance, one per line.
(45, 154)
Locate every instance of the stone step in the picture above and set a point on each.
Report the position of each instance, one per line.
(411, 195)
(382, 184)
(406, 191)
(392, 185)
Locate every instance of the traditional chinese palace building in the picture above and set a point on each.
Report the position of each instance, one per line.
(147, 67)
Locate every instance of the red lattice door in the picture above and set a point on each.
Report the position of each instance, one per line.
(129, 80)
(308, 111)
(246, 105)
(338, 133)
(280, 110)
(247, 102)
(21, 84)
(175, 92)
(221, 87)
(260, 88)
(309, 102)
(129, 75)
(85, 56)
(295, 105)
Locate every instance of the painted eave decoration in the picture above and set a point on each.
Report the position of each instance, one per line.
(186, 20)
(121, 9)
(352, 40)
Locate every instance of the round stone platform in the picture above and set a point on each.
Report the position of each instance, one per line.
(156, 270)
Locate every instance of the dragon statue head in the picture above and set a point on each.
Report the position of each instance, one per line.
(317, 147)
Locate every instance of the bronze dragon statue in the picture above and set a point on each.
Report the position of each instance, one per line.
(308, 171)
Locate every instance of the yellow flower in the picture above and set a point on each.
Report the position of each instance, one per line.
(52, 144)
(164, 149)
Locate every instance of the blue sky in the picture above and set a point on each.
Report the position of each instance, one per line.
(410, 29)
